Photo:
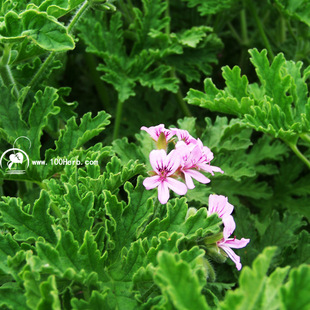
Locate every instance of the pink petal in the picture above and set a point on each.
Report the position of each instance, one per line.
(163, 192)
(232, 255)
(157, 159)
(237, 244)
(154, 131)
(172, 162)
(219, 204)
(229, 226)
(151, 182)
(188, 180)
(197, 176)
(177, 186)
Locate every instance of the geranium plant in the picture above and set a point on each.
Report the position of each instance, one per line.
(134, 174)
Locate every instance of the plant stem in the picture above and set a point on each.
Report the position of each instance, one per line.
(260, 29)
(305, 137)
(118, 118)
(42, 69)
(77, 16)
(179, 96)
(234, 33)
(244, 28)
(99, 84)
(52, 55)
(5, 70)
(299, 154)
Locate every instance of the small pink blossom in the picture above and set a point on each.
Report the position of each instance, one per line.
(155, 131)
(228, 244)
(164, 167)
(219, 204)
(206, 156)
(188, 165)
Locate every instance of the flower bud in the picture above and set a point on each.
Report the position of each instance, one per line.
(216, 253)
(162, 142)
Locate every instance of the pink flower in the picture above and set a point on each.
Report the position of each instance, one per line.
(206, 156)
(227, 244)
(219, 204)
(155, 131)
(183, 135)
(189, 161)
(164, 167)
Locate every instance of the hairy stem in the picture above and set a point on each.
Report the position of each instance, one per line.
(5, 70)
(260, 27)
(299, 154)
(77, 16)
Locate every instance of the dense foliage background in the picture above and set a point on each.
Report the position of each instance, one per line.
(79, 79)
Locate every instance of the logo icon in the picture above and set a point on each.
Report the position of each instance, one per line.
(14, 158)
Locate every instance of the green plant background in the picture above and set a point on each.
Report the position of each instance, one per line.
(79, 79)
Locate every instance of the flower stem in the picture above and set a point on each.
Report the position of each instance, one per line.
(118, 118)
(5, 70)
(299, 154)
(260, 28)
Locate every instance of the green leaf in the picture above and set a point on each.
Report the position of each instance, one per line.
(209, 7)
(13, 298)
(128, 221)
(178, 284)
(11, 124)
(38, 224)
(193, 36)
(46, 31)
(279, 106)
(49, 293)
(198, 225)
(8, 247)
(295, 293)
(78, 214)
(75, 136)
(297, 9)
(58, 8)
(97, 301)
(42, 29)
(254, 285)
(39, 114)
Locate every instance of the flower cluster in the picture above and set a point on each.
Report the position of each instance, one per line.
(185, 162)
(219, 204)
(176, 170)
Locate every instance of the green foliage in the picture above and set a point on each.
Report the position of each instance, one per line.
(178, 284)
(210, 7)
(259, 291)
(279, 106)
(78, 230)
